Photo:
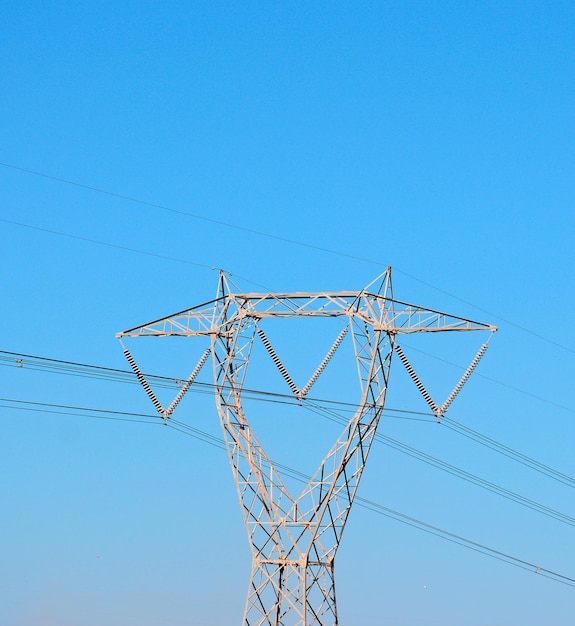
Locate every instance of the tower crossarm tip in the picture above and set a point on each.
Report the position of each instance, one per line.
(403, 319)
(197, 321)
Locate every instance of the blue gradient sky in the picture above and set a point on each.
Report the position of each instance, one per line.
(434, 137)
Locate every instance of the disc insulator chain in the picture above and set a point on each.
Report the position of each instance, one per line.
(277, 361)
(440, 410)
(144, 382)
(165, 413)
(187, 384)
(324, 363)
(464, 378)
(417, 382)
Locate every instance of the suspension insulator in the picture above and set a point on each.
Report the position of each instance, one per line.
(416, 380)
(464, 378)
(144, 382)
(278, 363)
(324, 363)
(187, 384)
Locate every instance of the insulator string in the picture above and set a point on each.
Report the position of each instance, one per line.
(324, 363)
(144, 382)
(417, 381)
(277, 361)
(464, 378)
(188, 383)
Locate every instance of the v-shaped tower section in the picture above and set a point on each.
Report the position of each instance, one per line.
(294, 537)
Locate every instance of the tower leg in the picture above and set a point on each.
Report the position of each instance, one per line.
(294, 539)
(291, 594)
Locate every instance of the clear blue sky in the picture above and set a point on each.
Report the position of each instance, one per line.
(435, 137)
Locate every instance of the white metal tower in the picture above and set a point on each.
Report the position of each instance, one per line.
(294, 537)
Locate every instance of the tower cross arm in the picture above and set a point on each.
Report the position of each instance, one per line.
(218, 316)
(382, 313)
(405, 319)
(195, 322)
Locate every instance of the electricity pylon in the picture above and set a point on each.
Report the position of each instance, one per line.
(294, 538)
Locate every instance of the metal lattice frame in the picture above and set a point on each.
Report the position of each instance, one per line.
(294, 539)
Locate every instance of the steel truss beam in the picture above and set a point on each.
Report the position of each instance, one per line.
(294, 538)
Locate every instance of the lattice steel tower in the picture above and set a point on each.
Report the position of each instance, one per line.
(294, 538)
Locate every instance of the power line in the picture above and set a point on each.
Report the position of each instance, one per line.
(74, 368)
(459, 473)
(16, 359)
(124, 248)
(400, 517)
(462, 541)
(104, 243)
(320, 406)
(500, 448)
(78, 411)
(259, 233)
(385, 440)
(195, 216)
(128, 416)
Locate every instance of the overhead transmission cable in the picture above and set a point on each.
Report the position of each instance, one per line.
(253, 231)
(453, 470)
(77, 411)
(500, 448)
(194, 216)
(217, 442)
(73, 368)
(104, 243)
(384, 439)
(396, 515)
(316, 405)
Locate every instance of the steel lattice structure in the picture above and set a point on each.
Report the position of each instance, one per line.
(294, 538)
